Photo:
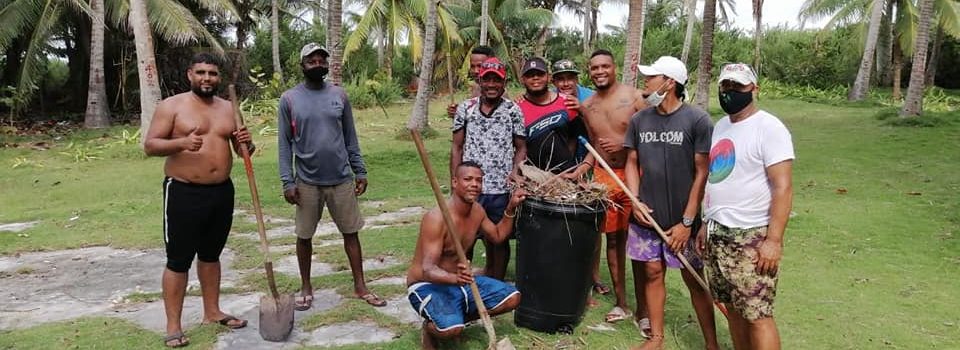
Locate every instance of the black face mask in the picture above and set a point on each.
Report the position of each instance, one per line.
(316, 74)
(733, 102)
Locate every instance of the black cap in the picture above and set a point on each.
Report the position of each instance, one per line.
(535, 63)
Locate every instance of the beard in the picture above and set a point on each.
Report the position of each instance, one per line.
(602, 87)
(538, 93)
(203, 93)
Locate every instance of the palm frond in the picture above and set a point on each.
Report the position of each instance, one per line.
(371, 20)
(948, 11)
(17, 16)
(50, 19)
(223, 8)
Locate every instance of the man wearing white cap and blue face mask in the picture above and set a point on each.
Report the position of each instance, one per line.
(321, 165)
(668, 144)
(747, 204)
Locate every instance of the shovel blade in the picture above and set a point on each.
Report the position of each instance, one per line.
(276, 317)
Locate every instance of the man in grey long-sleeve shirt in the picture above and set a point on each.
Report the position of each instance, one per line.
(320, 164)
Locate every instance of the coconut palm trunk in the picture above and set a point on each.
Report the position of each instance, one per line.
(757, 33)
(484, 20)
(98, 113)
(705, 67)
(333, 43)
(913, 105)
(419, 120)
(862, 84)
(897, 70)
(146, 65)
(688, 37)
(275, 37)
(934, 58)
(885, 46)
(631, 56)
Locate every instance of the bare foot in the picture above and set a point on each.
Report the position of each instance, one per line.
(654, 343)
(427, 342)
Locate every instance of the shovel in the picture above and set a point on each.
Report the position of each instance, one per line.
(276, 311)
(636, 202)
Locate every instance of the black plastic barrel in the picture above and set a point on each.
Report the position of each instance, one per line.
(555, 244)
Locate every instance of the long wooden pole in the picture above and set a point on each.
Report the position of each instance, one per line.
(448, 219)
(656, 227)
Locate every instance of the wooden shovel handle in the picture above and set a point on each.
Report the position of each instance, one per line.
(251, 180)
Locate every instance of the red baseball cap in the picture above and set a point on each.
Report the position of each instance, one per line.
(493, 65)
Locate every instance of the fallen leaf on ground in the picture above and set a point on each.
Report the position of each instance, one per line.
(841, 190)
(914, 193)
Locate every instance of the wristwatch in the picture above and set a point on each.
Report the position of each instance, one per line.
(687, 222)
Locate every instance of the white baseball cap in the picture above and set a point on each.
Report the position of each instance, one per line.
(310, 48)
(669, 66)
(738, 72)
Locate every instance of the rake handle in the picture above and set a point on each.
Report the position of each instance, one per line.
(251, 180)
(636, 203)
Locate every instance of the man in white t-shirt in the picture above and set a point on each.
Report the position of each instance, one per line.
(746, 207)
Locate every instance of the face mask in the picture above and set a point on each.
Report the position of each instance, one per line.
(316, 74)
(656, 98)
(733, 102)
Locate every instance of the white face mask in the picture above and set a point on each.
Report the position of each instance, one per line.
(656, 98)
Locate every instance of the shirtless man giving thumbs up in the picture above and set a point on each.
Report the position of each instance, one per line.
(194, 130)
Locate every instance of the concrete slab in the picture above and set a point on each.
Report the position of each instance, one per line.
(399, 308)
(17, 226)
(249, 337)
(389, 281)
(352, 332)
(51, 286)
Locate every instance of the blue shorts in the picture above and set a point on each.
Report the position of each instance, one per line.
(447, 305)
(494, 205)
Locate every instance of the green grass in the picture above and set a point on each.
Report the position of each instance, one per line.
(872, 257)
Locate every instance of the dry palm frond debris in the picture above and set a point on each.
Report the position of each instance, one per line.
(552, 187)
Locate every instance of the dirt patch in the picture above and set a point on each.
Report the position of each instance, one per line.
(52, 286)
(400, 309)
(352, 332)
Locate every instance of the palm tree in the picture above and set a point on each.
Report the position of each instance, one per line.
(333, 40)
(705, 67)
(511, 22)
(396, 18)
(631, 56)
(757, 33)
(146, 65)
(726, 8)
(688, 37)
(418, 118)
(862, 84)
(913, 105)
(98, 112)
(275, 37)
(484, 21)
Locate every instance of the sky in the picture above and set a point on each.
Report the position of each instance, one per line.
(774, 13)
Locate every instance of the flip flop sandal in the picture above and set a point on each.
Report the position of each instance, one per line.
(373, 299)
(644, 326)
(616, 314)
(226, 322)
(303, 302)
(600, 288)
(181, 339)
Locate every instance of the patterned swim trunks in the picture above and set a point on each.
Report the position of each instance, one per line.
(732, 272)
(644, 244)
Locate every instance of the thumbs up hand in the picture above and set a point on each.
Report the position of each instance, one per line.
(192, 142)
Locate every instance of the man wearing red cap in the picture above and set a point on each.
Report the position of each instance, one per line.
(488, 129)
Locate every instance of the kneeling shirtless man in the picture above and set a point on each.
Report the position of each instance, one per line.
(438, 283)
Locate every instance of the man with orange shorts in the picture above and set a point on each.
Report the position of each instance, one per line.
(606, 115)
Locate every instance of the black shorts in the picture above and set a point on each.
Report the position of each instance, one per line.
(196, 221)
